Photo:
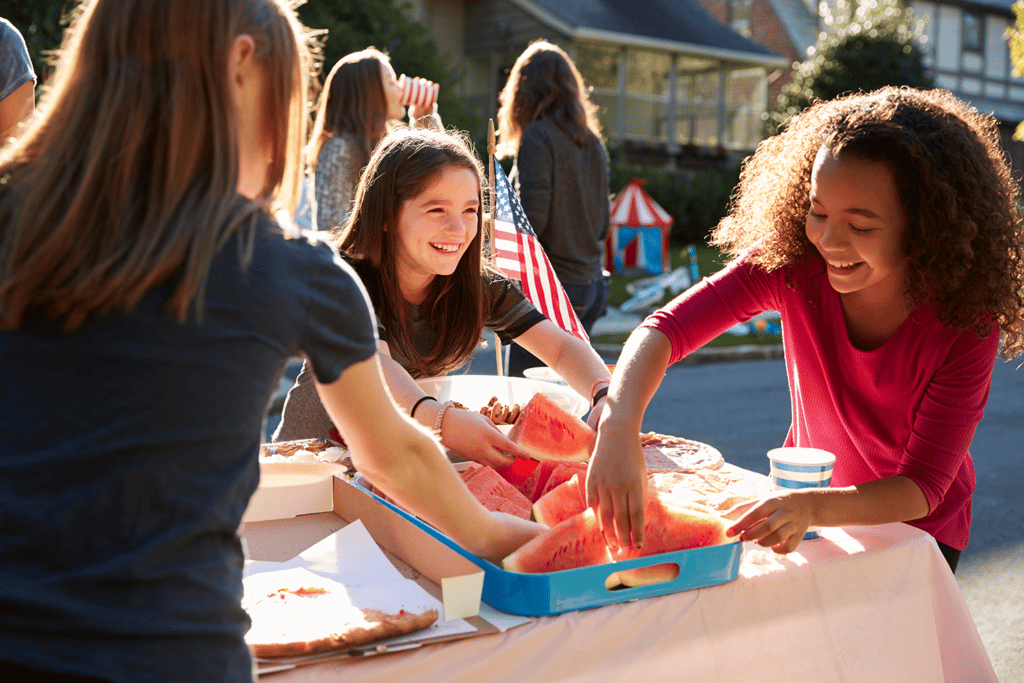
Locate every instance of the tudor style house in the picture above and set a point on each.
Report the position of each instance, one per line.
(671, 80)
(964, 43)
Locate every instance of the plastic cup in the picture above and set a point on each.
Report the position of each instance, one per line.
(801, 468)
(544, 374)
(417, 91)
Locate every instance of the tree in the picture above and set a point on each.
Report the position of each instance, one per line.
(1016, 36)
(42, 24)
(863, 48)
(349, 25)
(353, 25)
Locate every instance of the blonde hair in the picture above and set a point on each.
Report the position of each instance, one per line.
(129, 172)
(353, 104)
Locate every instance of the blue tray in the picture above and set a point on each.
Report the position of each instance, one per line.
(574, 589)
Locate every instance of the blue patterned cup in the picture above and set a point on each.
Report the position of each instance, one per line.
(801, 468)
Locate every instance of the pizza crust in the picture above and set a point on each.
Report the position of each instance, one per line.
(664, 453)
(307, 621)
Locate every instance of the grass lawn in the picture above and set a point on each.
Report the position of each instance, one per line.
(709, 260)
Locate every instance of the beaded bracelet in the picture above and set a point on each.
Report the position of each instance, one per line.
(601, 393)
(440, 416)
(412, 413)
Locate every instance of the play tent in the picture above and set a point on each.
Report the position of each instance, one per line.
(639, 233)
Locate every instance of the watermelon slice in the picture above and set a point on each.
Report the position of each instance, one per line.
(519, 471)
(562, 502)
(538, 479)
(547, 432)
(576, 542)
(496, 494)
(563, 472)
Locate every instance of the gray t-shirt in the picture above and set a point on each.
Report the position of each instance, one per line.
(15, 64)
(129, 451)
(564, 191)
(511, 314)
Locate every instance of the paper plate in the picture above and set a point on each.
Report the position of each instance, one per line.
(475, 391)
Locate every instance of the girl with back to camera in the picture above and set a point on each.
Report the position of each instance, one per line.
(360, 101)
(561, 173)
(148, 304)
(884, 228)
(414, 238)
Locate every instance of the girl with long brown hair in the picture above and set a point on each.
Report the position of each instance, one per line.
(148, 304)
(885, 228)
(561, 172)
(415, 239)
(360, 102)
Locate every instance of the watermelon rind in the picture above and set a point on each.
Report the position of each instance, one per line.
(576, 542)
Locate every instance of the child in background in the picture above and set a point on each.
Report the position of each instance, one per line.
(414, 238)
(148, 303)
(884, 227)
(17, 80)
(561, 173)
(360, 101)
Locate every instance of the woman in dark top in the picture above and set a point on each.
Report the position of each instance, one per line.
(415, 238)
(548, 122)
(148, 303)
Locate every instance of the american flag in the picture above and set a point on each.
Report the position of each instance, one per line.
(519, 255)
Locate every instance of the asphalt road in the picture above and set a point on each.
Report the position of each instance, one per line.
(742, 408)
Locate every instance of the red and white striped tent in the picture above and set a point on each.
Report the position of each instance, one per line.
(639, 233)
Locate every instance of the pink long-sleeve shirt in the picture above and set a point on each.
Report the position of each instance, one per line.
(909, 407)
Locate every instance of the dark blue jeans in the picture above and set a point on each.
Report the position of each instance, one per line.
(589, 301)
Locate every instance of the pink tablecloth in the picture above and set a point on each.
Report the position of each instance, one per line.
(871, 605)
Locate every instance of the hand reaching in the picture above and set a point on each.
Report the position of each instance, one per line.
(474, 436)
(617, 489)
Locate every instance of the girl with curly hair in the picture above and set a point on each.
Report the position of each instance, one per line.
(884, 227)
(561, 172)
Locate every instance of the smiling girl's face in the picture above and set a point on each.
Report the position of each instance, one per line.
(435, 228)
(857, 224)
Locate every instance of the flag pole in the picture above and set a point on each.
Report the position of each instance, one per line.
(489, 225)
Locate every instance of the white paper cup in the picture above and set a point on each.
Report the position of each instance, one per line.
(544, 374)
(417, 91)
(801, 468)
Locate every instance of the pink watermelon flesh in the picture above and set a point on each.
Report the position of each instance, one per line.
(561, 503)
(668, 528)
(563, 472)
(518, 472)
(538, 479)
(547, 432)
(496, 494)
(576, 542)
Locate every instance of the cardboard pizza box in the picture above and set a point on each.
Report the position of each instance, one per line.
(292, 489)
(447, 575)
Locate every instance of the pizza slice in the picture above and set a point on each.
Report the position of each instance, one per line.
(664, 453)
(306, 620)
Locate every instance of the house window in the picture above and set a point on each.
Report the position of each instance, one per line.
(637, 86)
(973, 32)
(739, 16)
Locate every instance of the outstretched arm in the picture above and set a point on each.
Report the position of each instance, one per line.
(402, 459)
(465, 432)
(617, 477)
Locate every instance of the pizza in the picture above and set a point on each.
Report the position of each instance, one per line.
(664, 453)
(719, 489)
(307, 620)
(302, 450)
